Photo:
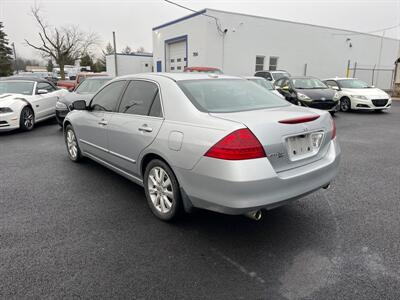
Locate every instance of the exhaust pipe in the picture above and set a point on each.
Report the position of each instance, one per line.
(326, 187)
(254, 215)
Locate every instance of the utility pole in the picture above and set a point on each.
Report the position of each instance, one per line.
(15, 58)
(115, 55)
(380, 57)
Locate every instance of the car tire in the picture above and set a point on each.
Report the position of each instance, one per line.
(345, 104)
(27, 119)
(162, 190)
(73, 150)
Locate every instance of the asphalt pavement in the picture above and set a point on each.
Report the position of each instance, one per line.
(72, 230)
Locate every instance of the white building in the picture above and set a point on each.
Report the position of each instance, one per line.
(240, 44)
(132, 63)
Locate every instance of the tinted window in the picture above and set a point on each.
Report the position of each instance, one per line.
(138, 98)
(331, 83)
(45, 86)
(155, 110)
(228, 95)
(91, 86)
(107, 98)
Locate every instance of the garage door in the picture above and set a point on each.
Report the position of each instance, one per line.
(176, 60)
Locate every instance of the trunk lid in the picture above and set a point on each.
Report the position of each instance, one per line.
(274, 136)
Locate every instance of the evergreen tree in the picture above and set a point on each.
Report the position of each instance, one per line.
(87, 61)
(5, 54)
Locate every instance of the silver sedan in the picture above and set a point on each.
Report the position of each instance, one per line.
(206, 141)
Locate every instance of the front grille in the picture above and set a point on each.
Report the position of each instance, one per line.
(326, 104)
(380, 102)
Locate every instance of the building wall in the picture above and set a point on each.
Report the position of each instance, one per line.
(129, 64)
(325, 50)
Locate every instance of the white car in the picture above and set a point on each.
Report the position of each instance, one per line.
(265, 84)
(358, 95)
(25, 101)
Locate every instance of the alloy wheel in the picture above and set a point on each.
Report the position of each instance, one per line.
(71, 144)
(160, 189)
(27, 117)
(344, 105)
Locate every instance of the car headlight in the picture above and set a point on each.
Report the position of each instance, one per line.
(60, 105)
(4, 110)
(303, 97)
(359, 97)
(336, 96)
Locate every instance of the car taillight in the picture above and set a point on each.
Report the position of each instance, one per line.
(333, 129)
(238, 145)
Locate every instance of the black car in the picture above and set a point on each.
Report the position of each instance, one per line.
(84, 91)
(308, 91)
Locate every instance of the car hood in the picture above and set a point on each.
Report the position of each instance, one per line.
(71, 97)
(8, 99)
(370, 92)
(317, 94)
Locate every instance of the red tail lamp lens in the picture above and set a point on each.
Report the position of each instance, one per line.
(238, 145)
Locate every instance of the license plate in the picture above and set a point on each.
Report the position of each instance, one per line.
(305, 145)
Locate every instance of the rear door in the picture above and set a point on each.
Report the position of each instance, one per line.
(135, 125)
(92, 131)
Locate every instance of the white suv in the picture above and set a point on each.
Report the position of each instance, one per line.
(358, 95)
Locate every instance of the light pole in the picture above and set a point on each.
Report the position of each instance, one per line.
(115, 55)
(15, 58)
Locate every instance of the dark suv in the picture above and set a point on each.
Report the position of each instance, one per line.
(308, 91)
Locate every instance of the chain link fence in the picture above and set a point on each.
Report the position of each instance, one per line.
(381, 77)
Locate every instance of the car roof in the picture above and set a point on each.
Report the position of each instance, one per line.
(276, 71)
(254, 77)
(25, 78)
(303, 77)
(99, 77)
(339, 78)
(178, 76)
(201, 68)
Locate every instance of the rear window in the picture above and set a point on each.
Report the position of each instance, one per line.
(228, 95)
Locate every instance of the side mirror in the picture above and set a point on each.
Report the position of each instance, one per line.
(334, 87)
(71, 89)
(41, 92)
(79, 105)
(285, 88)
(269, 78)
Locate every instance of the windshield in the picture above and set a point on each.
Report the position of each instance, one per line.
(353, 84)
(228, 95)
(90, 86)
(16, 87)
(262, 82)
(279, 75)
(308, 83)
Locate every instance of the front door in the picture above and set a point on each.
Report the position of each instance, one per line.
(135, 125)
(92, 132)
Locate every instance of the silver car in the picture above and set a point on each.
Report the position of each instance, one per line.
(208, 141)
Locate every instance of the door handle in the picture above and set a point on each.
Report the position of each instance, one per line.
(145, 128)
(103, 122)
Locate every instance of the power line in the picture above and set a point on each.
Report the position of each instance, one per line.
(192, 10)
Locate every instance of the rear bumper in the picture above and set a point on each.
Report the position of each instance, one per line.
(237, 187)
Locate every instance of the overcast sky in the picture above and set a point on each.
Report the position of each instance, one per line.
(133, 20)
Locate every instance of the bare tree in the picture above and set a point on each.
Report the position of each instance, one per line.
(140, 49)
(63, 44)
(127, 50)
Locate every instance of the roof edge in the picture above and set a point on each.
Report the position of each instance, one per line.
(200, 12)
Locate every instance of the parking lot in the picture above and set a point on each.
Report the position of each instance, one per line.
(80, 230)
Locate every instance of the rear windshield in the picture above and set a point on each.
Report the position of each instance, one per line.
(228, 95)
(90, 86)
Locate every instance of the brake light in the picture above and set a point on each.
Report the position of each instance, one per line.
(333, 129)
(299, 120)
(238, 145)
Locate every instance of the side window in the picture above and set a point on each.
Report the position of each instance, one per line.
(279, 82)
(332, 83)
(107, 98)
(138, 98)
(155, 110)
(268, 76)
(260, 74)
(45, 86)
